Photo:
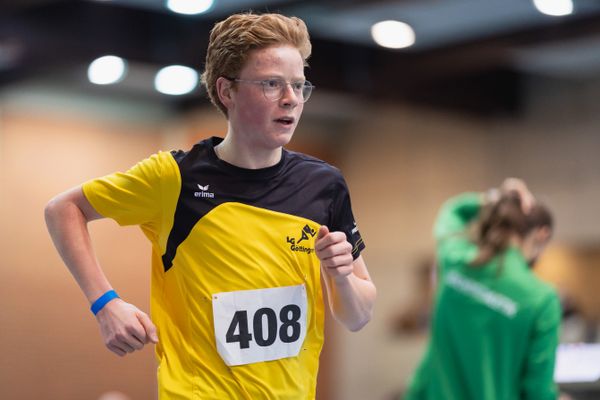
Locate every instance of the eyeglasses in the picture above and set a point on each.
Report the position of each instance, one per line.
(274, 88)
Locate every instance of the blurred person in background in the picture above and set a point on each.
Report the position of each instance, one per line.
(495, 326)
(244, 233)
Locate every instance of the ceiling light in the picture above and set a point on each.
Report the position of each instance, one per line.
(176, 80)
(555, 8)
(189, 7)
(393, 34)
(106, 70)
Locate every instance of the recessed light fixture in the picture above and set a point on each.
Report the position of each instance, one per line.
(555, 8)
(393, 34)
(176, 80)
(107, 70)
(189, 7)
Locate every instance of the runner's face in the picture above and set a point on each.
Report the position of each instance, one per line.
(260, 121)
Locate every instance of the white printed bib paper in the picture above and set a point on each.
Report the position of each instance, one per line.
(259, 325)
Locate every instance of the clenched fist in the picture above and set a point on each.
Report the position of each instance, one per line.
(125, 328)
(335, 253)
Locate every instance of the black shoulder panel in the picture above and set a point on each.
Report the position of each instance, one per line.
(187, 212)
(298, 185)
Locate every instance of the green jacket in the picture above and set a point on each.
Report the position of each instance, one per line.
(495, 327)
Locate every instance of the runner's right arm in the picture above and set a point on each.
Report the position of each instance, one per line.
(124, 327)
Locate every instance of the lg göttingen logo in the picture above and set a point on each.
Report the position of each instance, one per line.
(295, 245)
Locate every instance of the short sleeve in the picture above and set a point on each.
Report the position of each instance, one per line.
(133, 197)
(342, 218)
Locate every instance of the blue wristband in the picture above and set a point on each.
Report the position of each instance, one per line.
(102, 300)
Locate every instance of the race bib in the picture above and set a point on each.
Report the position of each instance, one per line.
(259, 325)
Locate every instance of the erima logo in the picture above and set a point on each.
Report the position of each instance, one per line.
(204, 192)
(304, 235)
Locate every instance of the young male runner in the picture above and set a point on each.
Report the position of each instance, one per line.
(243, 234)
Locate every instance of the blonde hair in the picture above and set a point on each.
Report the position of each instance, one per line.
(232, 40)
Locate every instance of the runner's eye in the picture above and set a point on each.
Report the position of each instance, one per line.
(272, 84)
(298, 86)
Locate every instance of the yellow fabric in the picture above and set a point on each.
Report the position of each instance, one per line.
(233, 247)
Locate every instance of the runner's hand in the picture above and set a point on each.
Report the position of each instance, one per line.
(334, 252)
(125, 328)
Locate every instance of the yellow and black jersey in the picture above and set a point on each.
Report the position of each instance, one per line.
(236, 289)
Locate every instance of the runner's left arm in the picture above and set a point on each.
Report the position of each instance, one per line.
(350, 291)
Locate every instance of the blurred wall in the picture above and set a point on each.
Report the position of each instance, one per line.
(400, 167)
(51, 346)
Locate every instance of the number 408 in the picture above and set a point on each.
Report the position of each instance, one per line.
(289, 330)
